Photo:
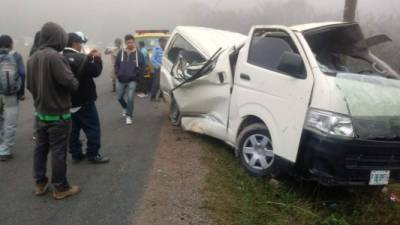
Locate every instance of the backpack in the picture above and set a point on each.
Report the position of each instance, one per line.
(9, 78)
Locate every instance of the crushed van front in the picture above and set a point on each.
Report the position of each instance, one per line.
(374, 108)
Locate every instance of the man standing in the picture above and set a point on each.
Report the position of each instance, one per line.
(156, 61)
(84, 112)
(12, 72)
(51, 82)
(114, 52)
(129, 67)
(143, 83)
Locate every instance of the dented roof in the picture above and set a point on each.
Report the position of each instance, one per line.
(313, 26)
(208, 40)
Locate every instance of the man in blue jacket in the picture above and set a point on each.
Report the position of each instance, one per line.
(156, 61)
(129, 67)
(9, 96)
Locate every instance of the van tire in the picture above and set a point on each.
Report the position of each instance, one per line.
(174, 113)
(255, 150)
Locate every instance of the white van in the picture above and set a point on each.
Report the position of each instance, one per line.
(311, 100)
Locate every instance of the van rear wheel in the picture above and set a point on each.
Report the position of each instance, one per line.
(174, 113)
(255, 150)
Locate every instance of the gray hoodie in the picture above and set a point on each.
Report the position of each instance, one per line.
(49, 77)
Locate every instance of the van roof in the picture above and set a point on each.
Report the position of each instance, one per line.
(209, 40)
(314, 26)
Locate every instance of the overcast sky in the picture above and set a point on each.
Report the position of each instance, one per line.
(102, 19)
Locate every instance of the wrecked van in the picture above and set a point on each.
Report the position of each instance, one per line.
(311, 100)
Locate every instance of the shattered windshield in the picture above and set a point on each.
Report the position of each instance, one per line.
(344, 49)
(374, 104)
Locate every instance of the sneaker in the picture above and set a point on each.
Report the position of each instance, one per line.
(141, 95)
(129, 120)
(41, 189)
(99, 160)
(124, 113)
(4, 158)
(72, 190)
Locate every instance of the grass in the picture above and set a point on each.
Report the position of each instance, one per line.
(232, 197)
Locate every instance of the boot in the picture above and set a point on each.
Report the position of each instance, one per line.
(70, 191)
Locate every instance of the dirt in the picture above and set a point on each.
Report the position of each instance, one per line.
(172, 194)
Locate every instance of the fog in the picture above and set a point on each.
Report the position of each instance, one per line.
(103, 20)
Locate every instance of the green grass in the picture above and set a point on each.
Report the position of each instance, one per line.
(232, 197)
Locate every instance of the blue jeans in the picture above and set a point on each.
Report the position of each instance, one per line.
(86, 119)
(8, 123)
(126, 96)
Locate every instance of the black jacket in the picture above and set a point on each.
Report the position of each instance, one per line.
(128, 68)
(49, 77)
(90, 68)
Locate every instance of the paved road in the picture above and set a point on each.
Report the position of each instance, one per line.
(109, 192)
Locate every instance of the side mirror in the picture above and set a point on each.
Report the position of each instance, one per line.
(292, 64)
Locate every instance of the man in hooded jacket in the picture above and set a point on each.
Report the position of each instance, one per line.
(51, 82)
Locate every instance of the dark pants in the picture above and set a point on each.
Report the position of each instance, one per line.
(86, 119)
(51, 137)
(155, 87)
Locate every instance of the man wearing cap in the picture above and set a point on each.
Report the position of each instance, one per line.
(84, 112)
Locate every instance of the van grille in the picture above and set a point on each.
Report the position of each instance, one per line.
(373, 161)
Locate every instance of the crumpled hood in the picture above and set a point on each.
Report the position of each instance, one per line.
(374, 104)
(54, 36)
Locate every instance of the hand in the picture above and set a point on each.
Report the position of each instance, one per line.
(95, 53)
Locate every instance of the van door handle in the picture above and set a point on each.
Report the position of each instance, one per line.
(245, 77)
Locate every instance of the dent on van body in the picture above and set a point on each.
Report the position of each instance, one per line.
(374, 104)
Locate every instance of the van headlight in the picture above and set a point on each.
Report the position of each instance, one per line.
(329, 123)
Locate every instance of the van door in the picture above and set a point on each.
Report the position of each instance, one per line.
(203, 102)
(265, 89)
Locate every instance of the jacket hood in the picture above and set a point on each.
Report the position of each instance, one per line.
(54, 36)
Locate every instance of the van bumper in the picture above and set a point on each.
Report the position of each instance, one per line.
(341, 162)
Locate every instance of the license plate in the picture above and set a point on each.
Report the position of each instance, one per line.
(379, 177)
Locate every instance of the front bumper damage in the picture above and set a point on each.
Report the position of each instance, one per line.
(340, 162)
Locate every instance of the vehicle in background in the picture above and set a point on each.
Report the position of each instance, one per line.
(311, 100)
(151, 40)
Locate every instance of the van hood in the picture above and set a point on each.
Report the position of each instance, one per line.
(374, 104)
(54, 36)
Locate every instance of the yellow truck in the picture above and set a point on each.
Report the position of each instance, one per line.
(150, 38)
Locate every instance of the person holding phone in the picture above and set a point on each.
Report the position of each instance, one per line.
(84, 112)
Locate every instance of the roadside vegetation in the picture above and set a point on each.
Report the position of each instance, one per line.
(232, 197)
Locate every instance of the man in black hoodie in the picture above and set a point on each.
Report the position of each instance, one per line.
(51, 82)
(84, 111)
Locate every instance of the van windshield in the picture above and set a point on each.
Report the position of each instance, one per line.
(343, 48)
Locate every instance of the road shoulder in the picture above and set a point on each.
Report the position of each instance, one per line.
(174, 184)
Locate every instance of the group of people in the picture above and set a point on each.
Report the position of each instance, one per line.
(61, 80)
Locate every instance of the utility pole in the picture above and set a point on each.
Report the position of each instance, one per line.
(350, 9)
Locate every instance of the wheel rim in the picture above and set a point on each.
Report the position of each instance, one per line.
(257, 152)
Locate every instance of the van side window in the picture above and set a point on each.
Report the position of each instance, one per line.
(267, 48)
(181, 47)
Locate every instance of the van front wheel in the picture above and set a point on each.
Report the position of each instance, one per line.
(255, 150)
